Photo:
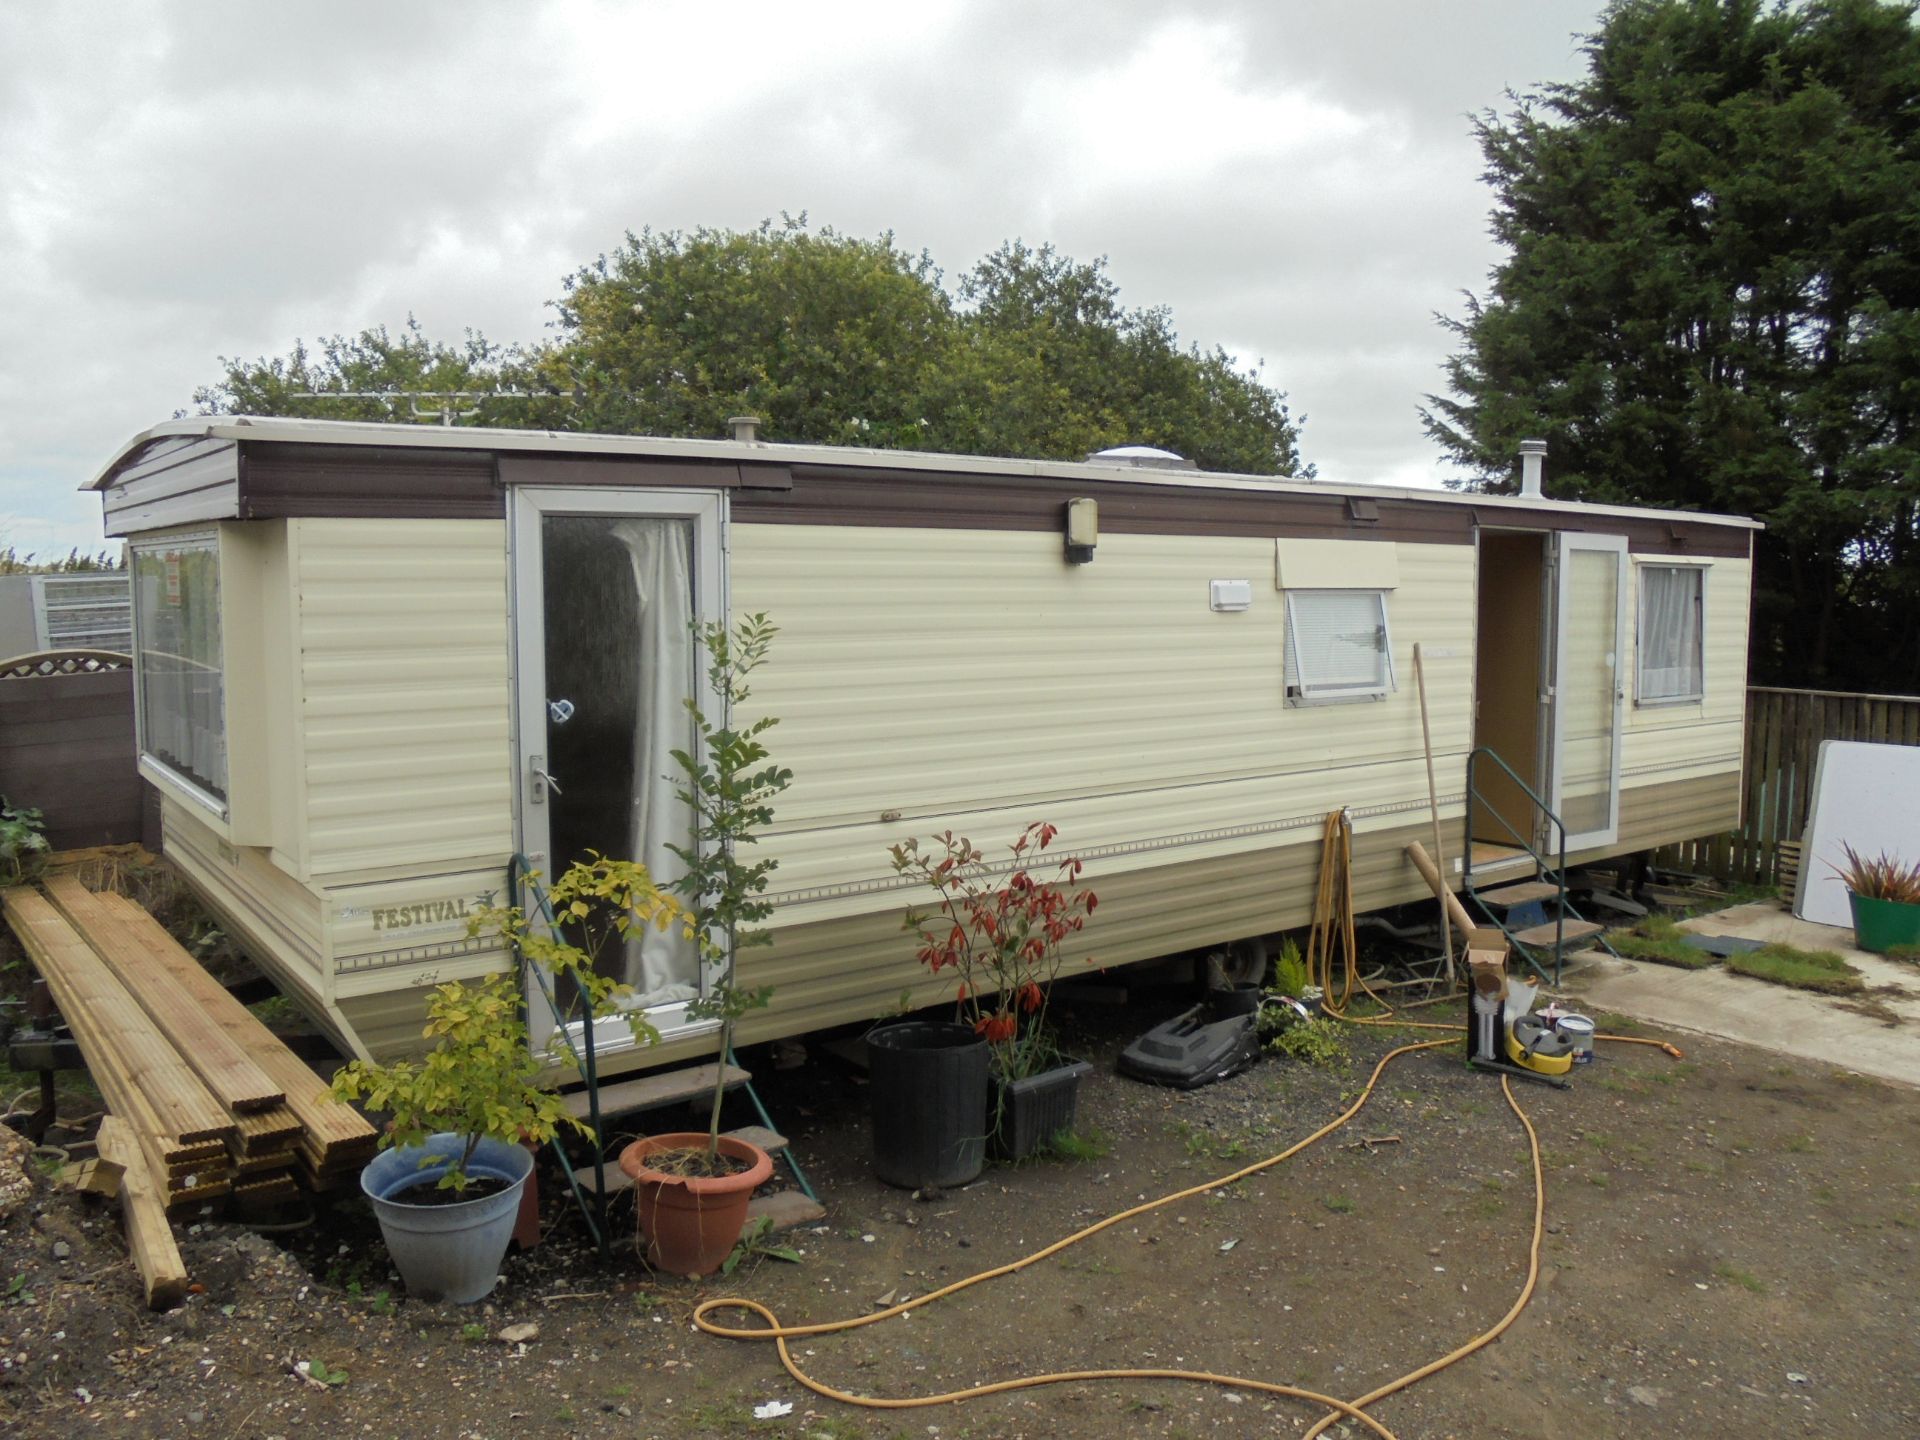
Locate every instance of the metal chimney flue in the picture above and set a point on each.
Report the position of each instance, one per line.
(746, 428)
(1533, 454)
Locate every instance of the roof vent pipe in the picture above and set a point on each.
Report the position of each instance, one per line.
(746, 428)
(1532, 454)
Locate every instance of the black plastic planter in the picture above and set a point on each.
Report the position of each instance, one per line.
(929, 1087)
(1032, 1111)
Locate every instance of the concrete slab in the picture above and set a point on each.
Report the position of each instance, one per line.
(1830, 1029)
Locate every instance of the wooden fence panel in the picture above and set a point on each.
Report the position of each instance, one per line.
(67, 750)
(1784, 731)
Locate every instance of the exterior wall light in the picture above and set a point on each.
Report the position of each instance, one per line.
(1083, 530)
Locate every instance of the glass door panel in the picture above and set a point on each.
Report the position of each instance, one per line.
(608, 584)
(1589, 619)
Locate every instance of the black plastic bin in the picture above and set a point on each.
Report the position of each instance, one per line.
(929, 1087)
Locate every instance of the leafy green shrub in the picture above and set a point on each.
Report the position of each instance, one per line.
(1320, 1043)
(483, 1078)
(23, 843)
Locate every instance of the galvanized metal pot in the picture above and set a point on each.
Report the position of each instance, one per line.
(447, 1251)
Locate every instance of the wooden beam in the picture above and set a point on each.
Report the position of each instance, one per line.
(125, 1040)
(226, 1069)
(149, 1235)
(1416, 852)
(334, 1130)
(187, 1167)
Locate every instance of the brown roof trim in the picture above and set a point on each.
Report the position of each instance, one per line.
(386, 482)
(275, 479)
(847, 495)
(585, 473)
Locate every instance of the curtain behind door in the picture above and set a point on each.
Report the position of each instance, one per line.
(662, 967)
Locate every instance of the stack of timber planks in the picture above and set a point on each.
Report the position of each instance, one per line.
(214, 1102)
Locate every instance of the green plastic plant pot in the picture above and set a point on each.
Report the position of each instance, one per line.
(1879, 925)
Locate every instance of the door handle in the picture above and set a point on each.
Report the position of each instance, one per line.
(539, 782)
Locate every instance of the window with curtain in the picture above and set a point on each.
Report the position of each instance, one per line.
(176, 607)
(1672, 664)
(1337, 646)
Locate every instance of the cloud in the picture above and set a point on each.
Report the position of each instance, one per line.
(180, 182)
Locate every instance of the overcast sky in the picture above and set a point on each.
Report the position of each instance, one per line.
(181, 181)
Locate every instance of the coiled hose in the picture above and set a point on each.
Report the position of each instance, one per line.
(1334, 875)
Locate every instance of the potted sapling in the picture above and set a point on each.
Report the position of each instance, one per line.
(447, 1188)
(692, 1189)
(997, 929)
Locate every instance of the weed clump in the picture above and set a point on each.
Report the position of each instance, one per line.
(1320, 1043)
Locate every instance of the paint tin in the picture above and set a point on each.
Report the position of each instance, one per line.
(1577, 1030)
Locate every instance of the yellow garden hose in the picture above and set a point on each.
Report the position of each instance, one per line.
(1319, 962)
(780, 1334)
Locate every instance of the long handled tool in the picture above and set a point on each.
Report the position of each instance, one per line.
(1433, 806)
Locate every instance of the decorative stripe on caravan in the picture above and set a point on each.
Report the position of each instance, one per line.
(881, 884)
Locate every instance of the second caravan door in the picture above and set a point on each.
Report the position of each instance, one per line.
(606, 585)
(1590, 606)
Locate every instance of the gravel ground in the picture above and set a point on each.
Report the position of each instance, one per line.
(1730, 1251)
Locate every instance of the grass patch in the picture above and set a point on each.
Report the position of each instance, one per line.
(1079, 1145)
(1817, 970)
(1745, 1279)
(1340, 1204)
(1660, 939)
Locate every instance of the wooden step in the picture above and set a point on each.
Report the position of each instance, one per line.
(771, 1141)
(1568, 931)
(650, 1092)
(1525, 893)
(786, 1208)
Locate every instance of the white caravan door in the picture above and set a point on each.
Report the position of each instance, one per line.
(607, 584)
(1590, 611)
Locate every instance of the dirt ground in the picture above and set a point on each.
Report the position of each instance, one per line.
(1731, 1250)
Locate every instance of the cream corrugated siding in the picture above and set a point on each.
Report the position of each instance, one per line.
(411, 930)
(404, 680)
(1664, 743)
(1004, 685)
(274, 915)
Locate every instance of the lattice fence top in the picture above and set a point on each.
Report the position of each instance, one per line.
(62, 662)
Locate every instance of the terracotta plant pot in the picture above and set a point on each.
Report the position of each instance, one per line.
(691, 1224)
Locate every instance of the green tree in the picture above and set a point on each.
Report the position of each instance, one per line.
(357, 369)
(826, 338)
(829, 339)
(1047, 362)
(1712, 301)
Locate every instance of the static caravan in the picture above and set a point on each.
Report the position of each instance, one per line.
(376, 661)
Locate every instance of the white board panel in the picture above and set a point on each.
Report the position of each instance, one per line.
(1866, 796)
